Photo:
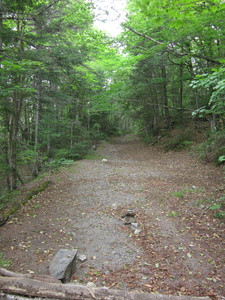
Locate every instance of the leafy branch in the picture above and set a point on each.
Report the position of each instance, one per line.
(170, 49)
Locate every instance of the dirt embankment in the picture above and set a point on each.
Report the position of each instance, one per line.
(180, 249)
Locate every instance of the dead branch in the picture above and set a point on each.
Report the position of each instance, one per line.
(7, 273)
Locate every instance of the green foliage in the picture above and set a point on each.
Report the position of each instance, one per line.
(221, 159)
(187, 143)
(180, 140)
(3, 262)
(79, 150)
(30, 156)
(216, 82)
(183, 192)
(218, 208)
(52, 83)
(154, 28)
(76, 152)
(179, 194)
(11, 201)
(173, 214)
(8, 197)
(92, 156)
(65, 85)
(212, 149)
(61, 154)
(56, 163)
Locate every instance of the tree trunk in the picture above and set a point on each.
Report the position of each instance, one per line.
(12, 140)
(35, 168)
(48, 287)
(1, 12)
(36, 288)
(181, 87)
(165, 98)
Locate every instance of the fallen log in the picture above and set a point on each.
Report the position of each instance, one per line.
(31, 287)
(7, 273)
(24, 286)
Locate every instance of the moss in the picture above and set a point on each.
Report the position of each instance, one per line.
(29, 196)
(37, 190)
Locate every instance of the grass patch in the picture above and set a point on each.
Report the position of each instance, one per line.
(179, 194)
(37, 206)
(92, 156)
(173, 214)
(183, 192)
(219, 208)
(3, 262)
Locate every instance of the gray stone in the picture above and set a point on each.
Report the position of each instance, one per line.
(62, 265)
(128, 220)
(82, 257)
(135, 225)
(114, 206)
(128, 213)
(137, 231)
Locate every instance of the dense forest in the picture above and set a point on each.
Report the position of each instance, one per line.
(65, 85)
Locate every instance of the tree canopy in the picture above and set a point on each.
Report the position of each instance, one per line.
(65, 84)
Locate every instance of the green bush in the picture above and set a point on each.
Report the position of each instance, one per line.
(213, 149)
(61, 153)
(56, 163)
(76, 152)
(219, 208)
(79, 150)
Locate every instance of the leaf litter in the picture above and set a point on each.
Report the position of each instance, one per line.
(180, 249)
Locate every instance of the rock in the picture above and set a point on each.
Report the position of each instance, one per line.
(104, 160)
(128, 220)
(137, 231)
(114, 206)
(135, 225)
(128, 213)
(62, 265)
(82, 257)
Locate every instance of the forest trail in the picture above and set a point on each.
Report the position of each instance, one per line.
(180, 249)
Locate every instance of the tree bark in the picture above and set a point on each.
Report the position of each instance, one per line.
(181, 87)
(1, 13)
(12, 138)
(35, 288)
(165, 98)
(40, 286)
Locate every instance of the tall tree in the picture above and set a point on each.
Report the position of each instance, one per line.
(187, 36)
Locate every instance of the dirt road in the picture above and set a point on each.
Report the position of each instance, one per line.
(180, 249)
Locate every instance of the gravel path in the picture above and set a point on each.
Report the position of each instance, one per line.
(180, 249)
